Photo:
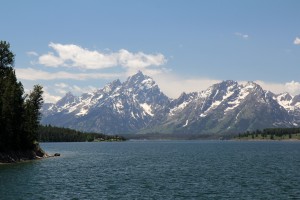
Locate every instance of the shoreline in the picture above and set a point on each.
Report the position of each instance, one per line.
(267, 140)
(24, 160)
(18, 156)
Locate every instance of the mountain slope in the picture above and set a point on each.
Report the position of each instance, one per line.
(138, 106)
(117, 108)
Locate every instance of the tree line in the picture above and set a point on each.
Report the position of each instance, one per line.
(271, 133)
(50, 133)
(19, 112)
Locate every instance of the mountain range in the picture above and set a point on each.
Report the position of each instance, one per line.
(137, 105)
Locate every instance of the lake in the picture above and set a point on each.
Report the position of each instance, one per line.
(158, 170)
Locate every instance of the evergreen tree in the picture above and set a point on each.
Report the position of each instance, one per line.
(33, 104)
(7, 58)
(6, 78)
(12, 110)
(19, 119)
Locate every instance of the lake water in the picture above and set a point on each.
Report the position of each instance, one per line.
(158, 170)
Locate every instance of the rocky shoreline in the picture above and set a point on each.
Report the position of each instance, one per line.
(21, 156)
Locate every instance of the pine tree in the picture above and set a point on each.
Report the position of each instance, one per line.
(12, 110)
(19, 114)
(6, 79)
(33, 104)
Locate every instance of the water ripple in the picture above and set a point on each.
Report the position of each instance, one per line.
(158, 170)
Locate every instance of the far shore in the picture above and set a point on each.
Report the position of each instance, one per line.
(266, 140)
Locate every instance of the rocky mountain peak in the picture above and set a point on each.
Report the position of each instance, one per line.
(252, 86)
(112, 86)
(139, 79)
(284, 97)
(296, 100)
(138, 104)
(68, 98)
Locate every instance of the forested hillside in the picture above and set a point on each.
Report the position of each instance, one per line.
(57, 134)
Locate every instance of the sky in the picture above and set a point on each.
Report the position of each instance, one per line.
(185, 46)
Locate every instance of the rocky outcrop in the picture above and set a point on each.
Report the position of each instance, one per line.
(19, 156)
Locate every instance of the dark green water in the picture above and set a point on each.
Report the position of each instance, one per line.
(158, 170)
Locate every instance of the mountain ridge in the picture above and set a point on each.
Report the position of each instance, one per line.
(139, 106)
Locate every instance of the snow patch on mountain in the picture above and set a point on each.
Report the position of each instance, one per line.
(147, 109)
(186, 123)
(285, 100)
(236, 102)
(138, 103)
(178, 108)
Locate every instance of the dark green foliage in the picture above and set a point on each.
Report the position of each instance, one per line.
(19, 114)
(271, 133)
(32, 106)
(57, 134)
(7, 58)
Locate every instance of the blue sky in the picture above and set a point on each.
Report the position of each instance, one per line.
(79, 46)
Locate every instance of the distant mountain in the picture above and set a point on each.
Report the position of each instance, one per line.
(138, 106)
(117, 108)
(225, 107)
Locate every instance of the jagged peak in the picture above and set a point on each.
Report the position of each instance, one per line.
(252, 85)
(69, 94)
(116, 82)
(295, 99)
(222, 86)
(284, 96)
(138, 75)
(140, 79)
(229, 82)
(182, 95)
(225, 84)
(69, 97)
(112, 85)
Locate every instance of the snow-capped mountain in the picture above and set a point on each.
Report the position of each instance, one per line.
(225, 107)
(291, 104)
(117, 108)
(138, 105)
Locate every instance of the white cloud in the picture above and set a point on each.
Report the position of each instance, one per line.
(34, 74)
(71, 55)
(297, 41)
(173, 85)
(276, 88)
(50, 60)
(50, 98)
(291, 87)
(61, 85)
(241, 35)
(139, 60)
(32, 53)
(79, 90)
(53, 93)
(63, 88)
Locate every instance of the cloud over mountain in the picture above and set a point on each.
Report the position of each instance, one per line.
(70, 55)
(297, 41)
